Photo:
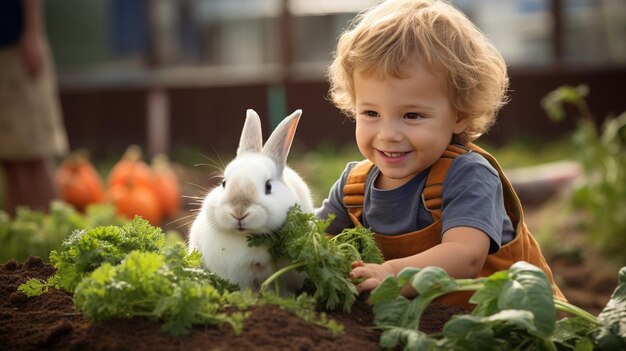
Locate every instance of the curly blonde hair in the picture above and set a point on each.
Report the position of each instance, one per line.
(387, 38)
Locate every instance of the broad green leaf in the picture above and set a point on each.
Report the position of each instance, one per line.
(390, 338)
(521, 318)
(430, 282)
(388, 289)
(469, 333)
(530, 289)
(584, 344)
(390, 312)
(433, 280)
(413, 340)
(501, 331)
(486, 298)
(571, 331)
(412, 315)
(612, 333)
(406, 274)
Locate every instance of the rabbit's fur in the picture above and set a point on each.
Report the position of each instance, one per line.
(254, 198)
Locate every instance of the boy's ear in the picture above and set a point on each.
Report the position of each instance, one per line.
(462, 121)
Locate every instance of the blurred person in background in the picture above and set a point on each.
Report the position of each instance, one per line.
(31, 127)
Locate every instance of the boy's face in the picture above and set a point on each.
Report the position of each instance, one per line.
(403, 125)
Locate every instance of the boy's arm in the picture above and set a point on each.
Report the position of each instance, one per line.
(461, 254)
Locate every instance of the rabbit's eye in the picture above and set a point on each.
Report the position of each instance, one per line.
(268, 187)
(224, 183)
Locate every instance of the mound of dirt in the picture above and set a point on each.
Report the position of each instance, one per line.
(51, 322)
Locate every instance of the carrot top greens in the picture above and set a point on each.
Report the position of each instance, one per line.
(326, 261)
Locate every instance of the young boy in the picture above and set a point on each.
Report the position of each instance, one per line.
(422, 82)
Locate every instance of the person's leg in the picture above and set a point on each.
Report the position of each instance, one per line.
(28, 183)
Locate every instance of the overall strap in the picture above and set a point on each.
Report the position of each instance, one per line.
(354, 190)
(432, 193)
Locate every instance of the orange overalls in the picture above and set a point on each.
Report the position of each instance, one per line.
(522, 248)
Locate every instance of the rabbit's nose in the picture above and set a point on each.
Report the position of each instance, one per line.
(239, 216)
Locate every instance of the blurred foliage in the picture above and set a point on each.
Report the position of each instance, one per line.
(529, 152)
(602, 154)
(321, 168)
(33, 233)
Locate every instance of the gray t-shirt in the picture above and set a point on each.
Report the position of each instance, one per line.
(471, 197)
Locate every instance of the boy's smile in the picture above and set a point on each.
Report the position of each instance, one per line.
(403, 125)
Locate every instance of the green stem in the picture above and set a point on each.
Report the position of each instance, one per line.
(472, 281)
(350, 248)
(575, 310)
(334, 238)
(427, 299)
(585, 113)
(277, 274)
(547, 344)
(277, 283)
(469, 287)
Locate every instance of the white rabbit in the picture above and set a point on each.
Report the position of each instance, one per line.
(254, 198)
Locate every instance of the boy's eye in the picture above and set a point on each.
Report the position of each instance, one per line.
(413, 115)
(370, 113)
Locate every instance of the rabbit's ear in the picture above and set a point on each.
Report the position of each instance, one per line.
(278, 145)
(251, 135)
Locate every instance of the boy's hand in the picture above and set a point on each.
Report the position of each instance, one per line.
(371, 274)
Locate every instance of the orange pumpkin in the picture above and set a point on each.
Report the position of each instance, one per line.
(78, 182)
(132, 168)
(131, 199)
(166, 185)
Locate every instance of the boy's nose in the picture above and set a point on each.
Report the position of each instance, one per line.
(390, 131)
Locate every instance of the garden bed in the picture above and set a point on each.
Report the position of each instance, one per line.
(51, 322)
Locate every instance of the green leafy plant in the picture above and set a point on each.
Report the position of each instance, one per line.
(515, 310)
(87, 249)
(34, 233)
(326, 261)
(602, 153)
(160, 286)
(132, 270)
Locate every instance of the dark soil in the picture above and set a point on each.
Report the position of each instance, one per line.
(50, 322)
